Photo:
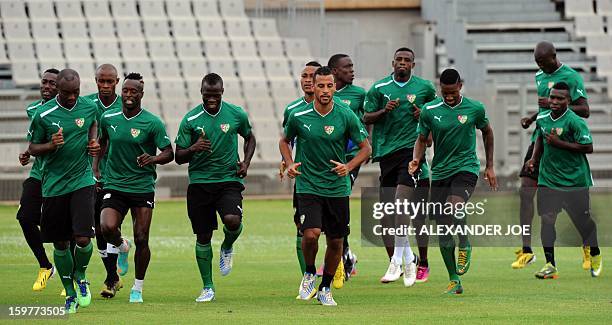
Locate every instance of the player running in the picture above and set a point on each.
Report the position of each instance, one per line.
(551, 72)
(297, 105)
(107, 99)
(208, 140)
(133, 136)
(393, 106)
(452, 120)
(62, 133)
(322, 130)
(562, 142)
(30, 203)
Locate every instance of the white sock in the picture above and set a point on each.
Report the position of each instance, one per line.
(401, 243)
(102, 253)
(408, 254)
(138, 285)
(112, 249)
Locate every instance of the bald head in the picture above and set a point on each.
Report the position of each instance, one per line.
(545, 56)
(68, 75)
(107, 80)
(68, 85)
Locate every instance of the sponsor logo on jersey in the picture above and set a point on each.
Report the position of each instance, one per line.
(551, 84)
(80, 122)
(328, 129)
(135, 132)
(558, 131)
(439, 118)
(225, 127)
(307, 126)
(411, 98)
(347, 102)
(462, 119)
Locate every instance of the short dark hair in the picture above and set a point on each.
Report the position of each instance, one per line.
(333, 60)
(313, 64)
(134, 76)
(322, 71)
(450, 77)
(52, 70)
(212, 79)
(561, 86)
(404, 49)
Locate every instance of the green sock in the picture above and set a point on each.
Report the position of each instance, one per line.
(64, 264)
(300, 254)
(230, 237)
(204, 257)
(447, 248)
(82, 255)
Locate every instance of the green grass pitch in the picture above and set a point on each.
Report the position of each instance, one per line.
(264, 282)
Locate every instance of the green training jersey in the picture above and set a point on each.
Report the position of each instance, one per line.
(295, 105)
(397, 129)
(453, 129)
(129, 138)
(68, 168)
(36, 171)
(102, 108)
(424, 165)
(354, 97)
(222, 129)
(545, 82)
(559, 167)
(321, 138)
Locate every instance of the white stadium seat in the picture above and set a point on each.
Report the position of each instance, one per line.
(77, 50)
(41, 10)
(284, 89)
(186, 49)
(16, 29)
(96, 9)
(585, 26)
(68, 9)
(73, 30)
(297, 48)
(156, 29)
(238, 28)
(264, 28)
(179, 9)
(184, 29)
(250, 68)
(604, 8)
(255, 88)
(85, 68)
(42, 29)
(161, 49)
(222, 66)
(575, 8)
(270, 48)
(133, 49)
(211, 28)
(144, 68)
(167, 69)
(277, 68)
(206, 8)
(231, 8)
(217, 48)
(194, 69)
(25, 72)
(106, 50)
(129, 29)
(13, 10)
(243, 48)
(21, 50)
(151, 9)
(101, 29)
(124, 9)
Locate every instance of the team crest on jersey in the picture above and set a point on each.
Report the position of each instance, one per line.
(225, 127)
(135, 132)
(347, 102)
(462, 119)
(551, 84)
(80, 122)
(329, 129)
(558, 131)
(411, 98)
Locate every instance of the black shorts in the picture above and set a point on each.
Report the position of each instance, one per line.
(330, 214)
(296, 215)
(30, 204)
(123, 201)
(394, 169)
(525, 172)
(67, 216)
(205, 200)
(575, 201)
(461, 184)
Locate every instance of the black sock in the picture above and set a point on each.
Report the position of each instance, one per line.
(345, 244)
(549, 253)
(595, 251)
(110, 264)
(423, 263)
(327, 279)
(311, 269)
(34, 240)
(527, 249)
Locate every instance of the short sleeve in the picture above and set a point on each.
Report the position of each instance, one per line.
(482, 120)
(160, 135)
(577, 89)
(581, 132)
(424, 126)
(357, 132)
(430, 94)
(36, 132)
(244, 129)
(290, 129)
(183, 138)
(373, 101)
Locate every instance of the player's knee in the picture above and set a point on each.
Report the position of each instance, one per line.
(204, 238)
(311, 235)
(232, 221)
(548, 219)
(82, 241)
(107, 230)
(141, 239)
